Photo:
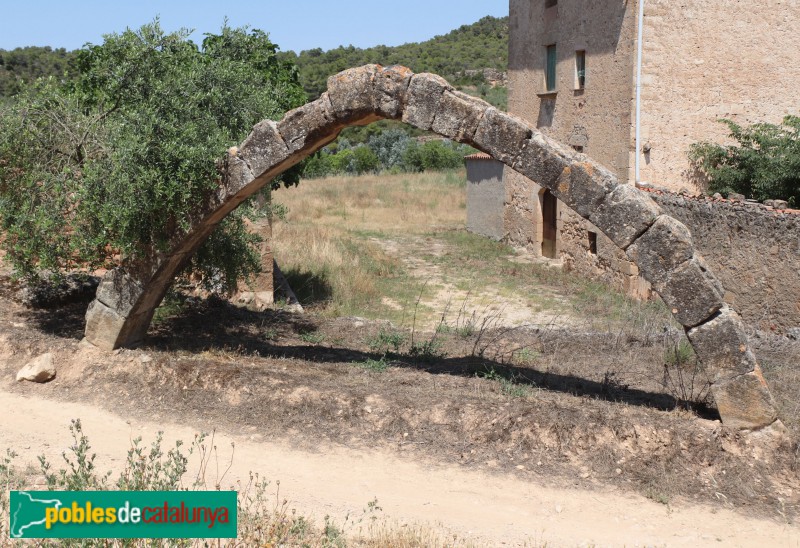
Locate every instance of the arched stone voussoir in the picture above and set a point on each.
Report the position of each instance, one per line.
(421, 99)
(721, 345)
(305, 128)
(666, 258)
(661, 246)
(263, 149)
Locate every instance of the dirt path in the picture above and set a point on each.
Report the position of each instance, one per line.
(491, 509)
(472, 302)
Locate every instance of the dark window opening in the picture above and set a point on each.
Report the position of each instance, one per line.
(578, 148)
(550, 68)
(593, 242)
(550, 3)
(580, 69)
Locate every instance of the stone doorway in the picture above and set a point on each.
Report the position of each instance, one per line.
(549, 225)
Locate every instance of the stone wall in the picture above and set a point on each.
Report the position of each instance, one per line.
(599, 260)
(259, 292)
(703, 61)
(753, 249)
(485, 196)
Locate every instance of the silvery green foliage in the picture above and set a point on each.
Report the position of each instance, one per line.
(389, 146)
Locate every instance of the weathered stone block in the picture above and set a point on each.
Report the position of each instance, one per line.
(391, 86)
(119, 291)
(662, 248)
(237, 176)
(351, 93)
(721, 344)
(745, 403)
(691, 292)
(422, 99)
(458, 116)
(584, 187)
(503, 136)
(103, 325)
(624, 215)
(537, 162)
(305, 127)
(264, 148)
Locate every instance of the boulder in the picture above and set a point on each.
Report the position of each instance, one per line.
(40, 369)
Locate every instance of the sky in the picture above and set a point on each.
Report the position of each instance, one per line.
(293, 25)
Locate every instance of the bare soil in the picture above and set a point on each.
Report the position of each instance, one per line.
(570, 433)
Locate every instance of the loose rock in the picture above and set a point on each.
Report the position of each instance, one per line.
(39, 369)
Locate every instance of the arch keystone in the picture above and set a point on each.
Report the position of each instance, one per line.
(351, 95)
(391, 88)
(422, 99)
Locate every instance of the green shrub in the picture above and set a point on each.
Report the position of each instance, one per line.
(764, 164)
(434, 155)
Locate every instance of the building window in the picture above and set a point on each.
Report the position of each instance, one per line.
(580, 69)
(550, 68)
(592, 242)
(550, 3)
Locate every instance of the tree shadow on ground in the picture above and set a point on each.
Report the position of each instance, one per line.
(68, 321)
(215, 324)
(220, 325)
(309, 288)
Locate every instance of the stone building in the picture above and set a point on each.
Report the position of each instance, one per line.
(632, 84)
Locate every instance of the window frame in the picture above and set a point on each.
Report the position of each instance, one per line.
(551, 68)
(580, 69)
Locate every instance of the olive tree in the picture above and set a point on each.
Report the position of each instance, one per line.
(111, 162)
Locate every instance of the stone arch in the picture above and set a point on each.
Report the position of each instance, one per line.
(661, 246)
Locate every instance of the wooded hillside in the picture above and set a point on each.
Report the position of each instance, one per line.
(481, 45)
(474, 47)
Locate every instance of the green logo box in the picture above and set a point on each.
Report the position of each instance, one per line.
(122, 514)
